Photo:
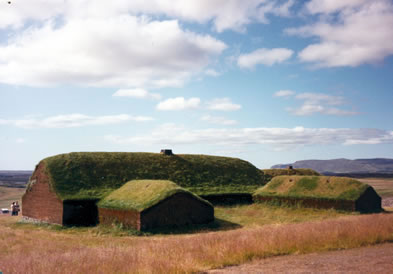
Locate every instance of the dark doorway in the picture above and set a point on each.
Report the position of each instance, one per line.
(229, 199)
(80, 213)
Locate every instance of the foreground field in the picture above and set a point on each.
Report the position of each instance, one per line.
(26, 248)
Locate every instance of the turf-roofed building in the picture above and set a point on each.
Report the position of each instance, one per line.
(147, 204)
(321, 192)
(65, 189)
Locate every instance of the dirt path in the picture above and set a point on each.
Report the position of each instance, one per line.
(374, 259)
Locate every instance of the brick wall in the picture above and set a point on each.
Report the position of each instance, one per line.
(129, 218)
(40, 202)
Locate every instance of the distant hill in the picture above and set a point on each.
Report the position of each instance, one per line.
(14, 178)
(343, 166)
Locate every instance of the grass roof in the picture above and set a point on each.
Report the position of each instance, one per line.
(93, 175)
(340, 188)
(273, 172)
(142, 194)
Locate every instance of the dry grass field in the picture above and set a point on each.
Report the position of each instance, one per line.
(26, 248)
(241, 234)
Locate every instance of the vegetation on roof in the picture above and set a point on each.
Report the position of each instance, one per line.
(273, 172)
(339, 188)
(93, 175)
(142, 194)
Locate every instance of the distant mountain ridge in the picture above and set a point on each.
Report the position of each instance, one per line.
(376, 165)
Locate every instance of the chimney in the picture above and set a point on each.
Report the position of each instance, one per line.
(166, 152)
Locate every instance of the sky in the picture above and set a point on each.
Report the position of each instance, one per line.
(267, 81)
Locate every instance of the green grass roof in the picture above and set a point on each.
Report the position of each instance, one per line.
(273, 172)
(340, 188)
(93, 175)
(142, 194)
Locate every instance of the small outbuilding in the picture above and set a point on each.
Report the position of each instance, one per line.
(148, 204)
(320, 192)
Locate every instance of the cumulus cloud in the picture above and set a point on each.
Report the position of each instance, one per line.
(284, 137)
(136, 93)
(264, 56)
(224, 14)
(125, 51)
(284, 93)
(351, 33)
(72, 120)
(179, 103)
(223, 104)
(218, 120)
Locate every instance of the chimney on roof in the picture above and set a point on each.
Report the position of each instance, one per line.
(166, 152)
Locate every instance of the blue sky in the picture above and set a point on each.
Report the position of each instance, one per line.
(267, 81)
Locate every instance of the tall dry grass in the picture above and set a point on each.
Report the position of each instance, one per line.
(24, 250)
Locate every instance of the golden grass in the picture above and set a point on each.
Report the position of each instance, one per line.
(39, 250)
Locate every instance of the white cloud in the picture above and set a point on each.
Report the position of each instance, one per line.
(125, 51)
(136, 93)
(171, 134)
(284, 93)
(264, 56)
(224, 14)
(223, 104)
(72, 120)
(179, 103)
(218, 120)
(351, 33)
(320, 103)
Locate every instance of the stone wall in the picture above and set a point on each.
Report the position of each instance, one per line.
(39, 201)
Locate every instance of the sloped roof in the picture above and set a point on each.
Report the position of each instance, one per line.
(340, 188)
(142, 194)
(93, 175)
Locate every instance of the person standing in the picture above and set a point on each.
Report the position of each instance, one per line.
(13, 209)
(17, 209)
